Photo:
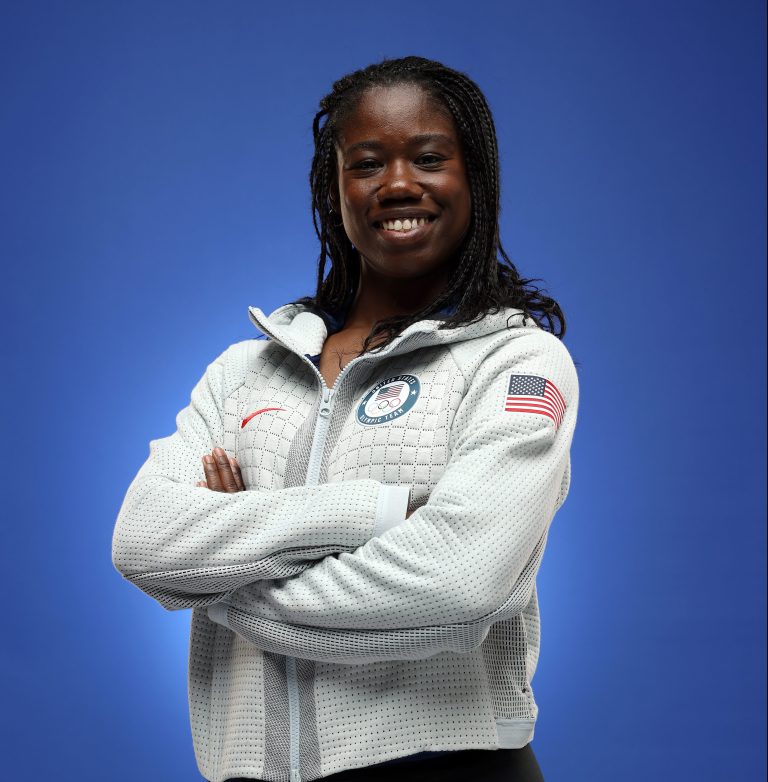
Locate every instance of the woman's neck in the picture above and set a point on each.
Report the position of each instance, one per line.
(385, 297)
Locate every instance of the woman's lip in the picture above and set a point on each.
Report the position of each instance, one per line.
(403, 237)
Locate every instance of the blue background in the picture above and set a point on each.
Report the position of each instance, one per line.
(154, 163)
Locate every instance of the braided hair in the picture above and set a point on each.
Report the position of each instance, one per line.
(480, 282)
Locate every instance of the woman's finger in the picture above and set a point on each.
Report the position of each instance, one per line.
(203, 484)
(237, 473)
(212, 473)
(225, 470)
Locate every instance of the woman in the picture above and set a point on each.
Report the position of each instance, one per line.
(356, 508)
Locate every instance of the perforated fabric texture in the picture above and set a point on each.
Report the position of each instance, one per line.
(422, 638)
(187, 546)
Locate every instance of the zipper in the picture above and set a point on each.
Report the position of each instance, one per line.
(294, 717)
(318, 441)
(313, 477)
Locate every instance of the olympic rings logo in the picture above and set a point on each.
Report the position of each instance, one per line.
(385, 403)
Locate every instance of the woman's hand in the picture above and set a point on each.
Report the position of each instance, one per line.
(222, 472)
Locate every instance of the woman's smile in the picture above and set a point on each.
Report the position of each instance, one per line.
(410, 228)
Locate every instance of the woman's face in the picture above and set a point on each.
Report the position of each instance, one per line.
(399, 157)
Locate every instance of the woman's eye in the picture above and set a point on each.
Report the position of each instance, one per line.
(428, 159)
(363, 163)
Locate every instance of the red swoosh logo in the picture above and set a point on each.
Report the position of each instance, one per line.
(256, 412)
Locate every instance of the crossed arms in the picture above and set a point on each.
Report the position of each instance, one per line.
(335, 572)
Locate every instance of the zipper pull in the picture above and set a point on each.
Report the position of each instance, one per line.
(325, 404)
(295, 775)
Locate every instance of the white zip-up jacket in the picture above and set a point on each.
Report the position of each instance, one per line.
(328, 630)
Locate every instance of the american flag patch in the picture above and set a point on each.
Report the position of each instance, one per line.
(388, 392)
(534, 394)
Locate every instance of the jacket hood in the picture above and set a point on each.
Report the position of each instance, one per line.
(303, 332)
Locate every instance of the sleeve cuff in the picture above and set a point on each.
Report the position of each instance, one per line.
(217, 612)
(392, 507)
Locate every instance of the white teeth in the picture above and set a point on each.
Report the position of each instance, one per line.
(404, 225)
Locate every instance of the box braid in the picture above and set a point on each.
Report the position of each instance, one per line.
(480, 283)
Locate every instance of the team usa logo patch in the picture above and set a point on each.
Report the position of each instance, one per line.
(388, 399)
(534, 394)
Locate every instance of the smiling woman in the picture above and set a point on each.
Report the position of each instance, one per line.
(356, 508)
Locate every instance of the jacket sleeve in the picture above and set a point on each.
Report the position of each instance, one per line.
(187, 546)
(467, 558)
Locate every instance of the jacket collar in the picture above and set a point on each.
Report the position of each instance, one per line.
(302, 332)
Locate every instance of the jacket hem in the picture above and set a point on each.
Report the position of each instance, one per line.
(510, 734)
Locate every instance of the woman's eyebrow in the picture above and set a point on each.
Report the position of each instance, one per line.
(421, 138)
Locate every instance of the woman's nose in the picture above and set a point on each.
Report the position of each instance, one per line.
(399, 181)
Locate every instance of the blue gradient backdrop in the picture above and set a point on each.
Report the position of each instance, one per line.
(154, 164)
